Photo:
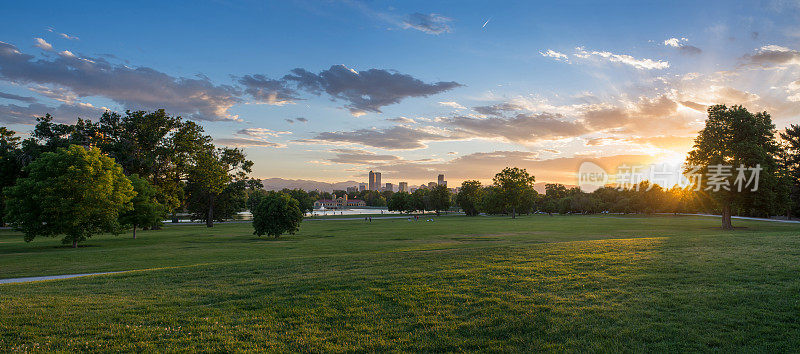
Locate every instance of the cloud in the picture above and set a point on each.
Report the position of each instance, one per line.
(430, 23)
(684, 48)
(301, 120)
(132, 87)
(66, 36)
(260, 132)
(452, 105)
(647, 116)
(555, 55)
(10, 96)
(499, 109)
(247, 142)
(361, 157)
(41, 43)
(402, 120)
(641, 64)
(394, 138)
(522, 128)
(774, 55)
(365, 91)
(268, 91)
(67, 113)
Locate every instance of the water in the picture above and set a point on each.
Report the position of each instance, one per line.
(354, 211)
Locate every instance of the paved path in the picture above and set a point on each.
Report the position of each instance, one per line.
(736, 217)
(49, 277)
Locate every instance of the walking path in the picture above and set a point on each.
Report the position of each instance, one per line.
(737, 217)
(49, 277)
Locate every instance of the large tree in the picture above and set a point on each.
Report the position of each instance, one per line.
(214, 172)
(147, 212)
(469, 197)
(734, 137)
(515, 186)
(790, 161)
(439, 198)
(276, 213)
(10, 164)
(75, 192)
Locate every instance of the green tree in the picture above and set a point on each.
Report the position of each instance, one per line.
(75, 192)
(213, 172)
(439, 199)
(10, 163)
(400, 201)
(790, 163)
(147, 212)
(469, 197)
(735, 137)
(515, 185)
(302, 197)
(276, 214)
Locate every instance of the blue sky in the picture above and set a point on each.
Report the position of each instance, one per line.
(410, 88)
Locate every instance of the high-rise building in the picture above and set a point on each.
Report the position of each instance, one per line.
(362, 187)
(402, 187)
(352, 189)
(432, 185)
(440, 181)
(374, 181)
(389, 187)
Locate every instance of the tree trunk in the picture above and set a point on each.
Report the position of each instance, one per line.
(134, 231)
(175, 218)
(513, 213)
(726, 217)
(210, 216)
(74, 243)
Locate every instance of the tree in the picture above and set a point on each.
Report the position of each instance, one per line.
(213, 171)
(400, 201)
(439, 199)
(302, 197)
(735, 137)
(515, 185)
(790, 162)
(10, 164)
(276, 214)
(469, 197)
(147, 212)
(75, 192)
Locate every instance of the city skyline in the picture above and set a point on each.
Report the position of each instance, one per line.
(417, 88)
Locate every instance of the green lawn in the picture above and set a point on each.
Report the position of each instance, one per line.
(577, 283)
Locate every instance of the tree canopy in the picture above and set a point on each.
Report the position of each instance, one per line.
(75, 192)
(276, 213)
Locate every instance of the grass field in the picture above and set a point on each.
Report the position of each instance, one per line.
(577, 283)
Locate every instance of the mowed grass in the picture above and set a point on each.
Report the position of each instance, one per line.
(576, 283)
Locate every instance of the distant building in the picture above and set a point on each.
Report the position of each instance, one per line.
(402, 187)
(389, 187)
(339, 203)
(352, 189)
(362, 187)
(440, 181)
(432, 185)
(374, 181)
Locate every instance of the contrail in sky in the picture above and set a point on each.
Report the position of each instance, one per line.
(486, 23)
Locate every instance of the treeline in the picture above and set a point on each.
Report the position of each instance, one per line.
(150, 164)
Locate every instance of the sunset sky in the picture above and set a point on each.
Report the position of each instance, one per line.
(327, 90)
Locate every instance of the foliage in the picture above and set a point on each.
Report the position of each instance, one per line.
(733, 136)
(438, 199)
(217, 180)
(515, 188)
(277, 213)
(469, 197)
(302, 197)
(10, 164)
(147, 212)
(74, 192)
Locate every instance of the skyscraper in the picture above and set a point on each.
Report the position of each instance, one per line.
(402, 187)
(441, 181)
(389, 187)
(374, 181)
(371, 180)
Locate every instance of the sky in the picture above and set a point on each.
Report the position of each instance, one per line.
(328, 90)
